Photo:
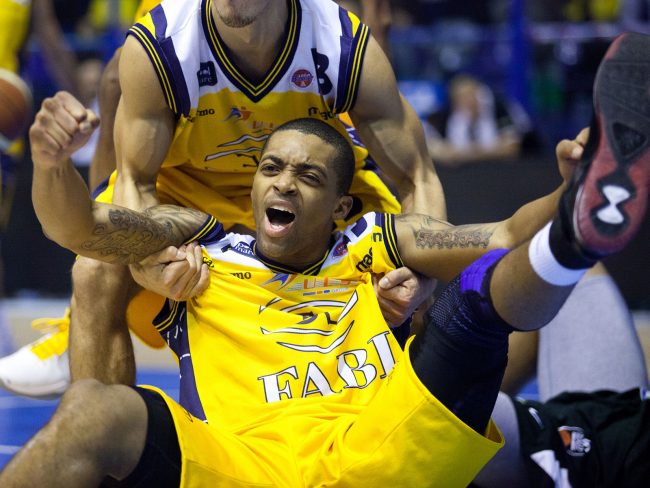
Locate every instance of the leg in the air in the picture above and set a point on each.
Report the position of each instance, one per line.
(599, 215)
(461, 353)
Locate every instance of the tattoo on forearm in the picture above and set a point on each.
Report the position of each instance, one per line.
(451, 238)
(129, 236)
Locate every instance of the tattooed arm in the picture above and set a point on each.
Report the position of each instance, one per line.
(123, 236)
(112, 233)
(63, 206)
(440, 250)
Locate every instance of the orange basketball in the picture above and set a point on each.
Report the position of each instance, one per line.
(15, 107)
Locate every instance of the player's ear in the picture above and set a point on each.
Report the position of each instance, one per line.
(342, 207)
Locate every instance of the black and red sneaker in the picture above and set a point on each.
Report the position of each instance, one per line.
(607, 197)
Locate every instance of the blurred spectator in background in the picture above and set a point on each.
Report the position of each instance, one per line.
(477, 125)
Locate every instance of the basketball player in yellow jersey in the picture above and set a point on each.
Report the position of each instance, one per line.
(166, 122)
(223, 186)
(290, 377)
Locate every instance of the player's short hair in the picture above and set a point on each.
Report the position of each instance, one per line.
(344, 156)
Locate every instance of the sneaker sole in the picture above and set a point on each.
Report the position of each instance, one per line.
(612, 194)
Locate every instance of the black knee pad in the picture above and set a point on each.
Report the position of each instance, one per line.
(462, 353)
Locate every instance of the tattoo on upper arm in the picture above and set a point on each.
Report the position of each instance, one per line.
(430, 233)
(130, 236)
(454, 237)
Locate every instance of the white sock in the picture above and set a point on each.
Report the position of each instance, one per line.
(546, 266)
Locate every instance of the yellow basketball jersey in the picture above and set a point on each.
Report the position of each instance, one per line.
(224, 117)
(14, 23)
(264, 338)
(292, 378)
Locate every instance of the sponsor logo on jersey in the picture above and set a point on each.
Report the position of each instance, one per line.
(574, 440)
(260, 125)
(357, 368)
(243, 248)
(243, 276)
(341, 249)
(207, 74)
(324, 114)
(320, 286)
(203, 113)
(302, 78)
(283, 278)
(238, 113)
(326, 291)
(365, 263)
